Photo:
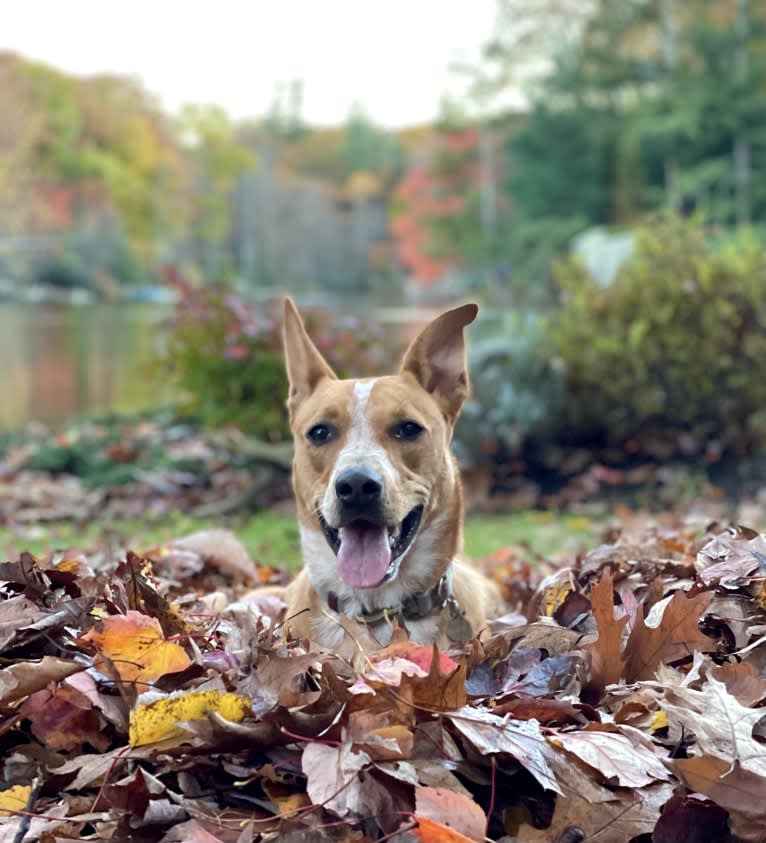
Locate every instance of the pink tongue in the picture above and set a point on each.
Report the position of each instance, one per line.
(364, 555)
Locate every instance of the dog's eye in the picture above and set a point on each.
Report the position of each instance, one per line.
(407, 430)
(321, 434)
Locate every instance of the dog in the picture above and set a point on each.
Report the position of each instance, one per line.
(378, 496)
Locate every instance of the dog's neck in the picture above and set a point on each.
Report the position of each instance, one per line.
(413, 607)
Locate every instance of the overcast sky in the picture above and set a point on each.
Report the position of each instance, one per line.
(390, 55)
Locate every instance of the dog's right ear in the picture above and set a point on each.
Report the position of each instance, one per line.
(305, 365)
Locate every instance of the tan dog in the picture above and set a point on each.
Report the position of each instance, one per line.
(379, 498)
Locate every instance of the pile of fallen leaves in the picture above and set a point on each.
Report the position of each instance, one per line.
(626, 703)
(143, 467)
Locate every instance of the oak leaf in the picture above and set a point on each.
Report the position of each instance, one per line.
(668, 634)
(606, 652)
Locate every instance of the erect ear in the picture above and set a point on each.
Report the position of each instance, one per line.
(305, 365)
(437, 359)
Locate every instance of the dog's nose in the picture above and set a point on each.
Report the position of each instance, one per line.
(359, 490)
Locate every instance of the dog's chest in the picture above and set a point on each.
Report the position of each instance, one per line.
(346, 636)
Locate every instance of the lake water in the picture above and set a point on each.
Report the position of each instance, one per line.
(59, 361)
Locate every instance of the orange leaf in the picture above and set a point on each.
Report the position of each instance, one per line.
(135, 645)
(428, 831)
(454, 811)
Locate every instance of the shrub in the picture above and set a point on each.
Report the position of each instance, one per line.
(677, 341)
(516, 390)
(223, 356)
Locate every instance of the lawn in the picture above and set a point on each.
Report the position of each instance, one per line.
(272, 537)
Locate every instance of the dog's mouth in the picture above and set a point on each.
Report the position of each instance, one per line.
(369, 553)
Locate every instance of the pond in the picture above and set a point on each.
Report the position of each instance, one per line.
(60, 361)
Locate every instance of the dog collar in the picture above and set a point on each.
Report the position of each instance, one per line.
(415, 607)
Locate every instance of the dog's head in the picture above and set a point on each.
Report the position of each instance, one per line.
(373, 469)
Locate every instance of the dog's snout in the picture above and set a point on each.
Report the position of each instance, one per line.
(359, 490)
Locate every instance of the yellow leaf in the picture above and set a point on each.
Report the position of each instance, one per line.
(14, 799)
(659, 721)
(287, 801)
(159, 720)
(555, 596)
(134, 643)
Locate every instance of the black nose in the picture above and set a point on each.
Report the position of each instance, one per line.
(359, 491)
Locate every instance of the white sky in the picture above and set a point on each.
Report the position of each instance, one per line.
(390, 55)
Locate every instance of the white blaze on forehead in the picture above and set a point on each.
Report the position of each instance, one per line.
(361, 448)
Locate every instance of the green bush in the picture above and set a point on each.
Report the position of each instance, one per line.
(677, 341)
(223, 357)
(516, 390)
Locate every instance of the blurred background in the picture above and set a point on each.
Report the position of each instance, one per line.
(593, 173)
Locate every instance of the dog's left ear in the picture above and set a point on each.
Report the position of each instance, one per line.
(437, 360)
(305, 365)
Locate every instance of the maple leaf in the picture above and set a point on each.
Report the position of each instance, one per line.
(670, 632)
(135, 644)
(613, 755)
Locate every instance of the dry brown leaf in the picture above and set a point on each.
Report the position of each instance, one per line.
(606, 652)
(669, 633)
(614, 756)
(24, 678)
(742, 681)
(521, 739)
(223, 549)
(625, 814)
(332, 774)
(722, 726)
(740, 792)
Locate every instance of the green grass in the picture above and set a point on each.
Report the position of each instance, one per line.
(272, 538)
